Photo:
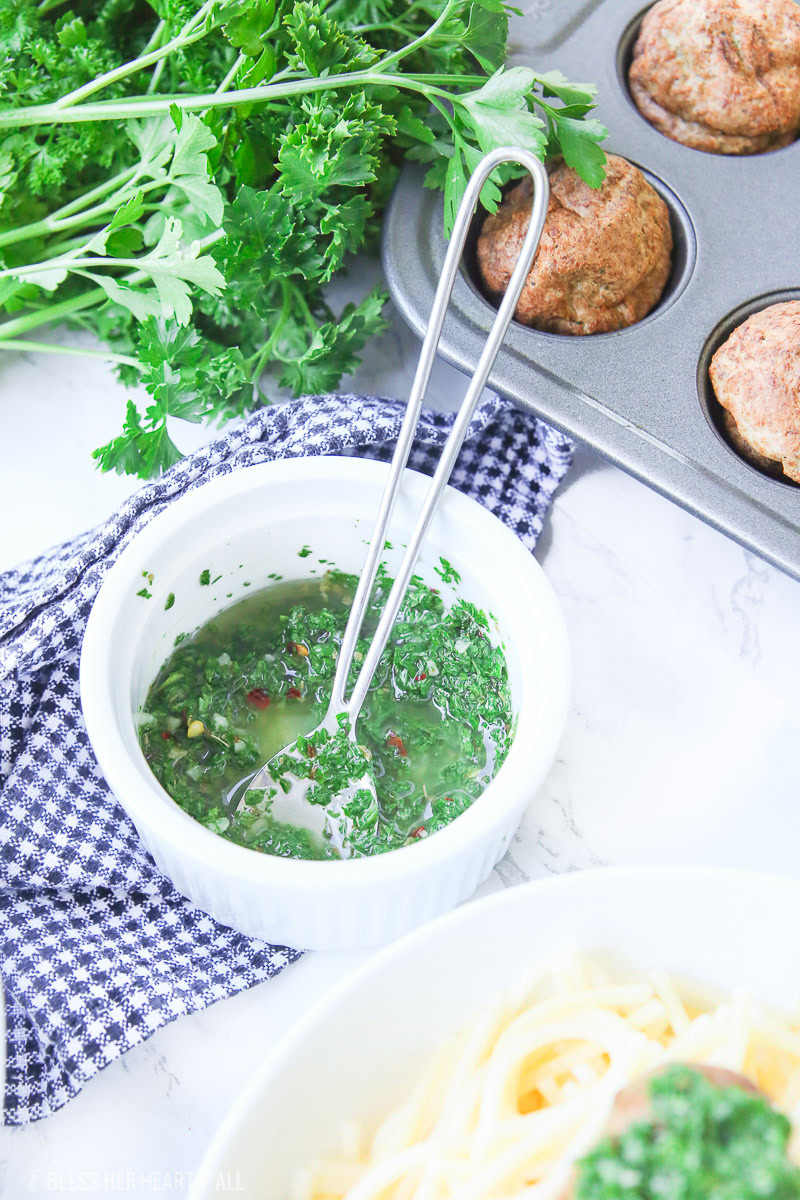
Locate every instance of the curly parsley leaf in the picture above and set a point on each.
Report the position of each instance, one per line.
(321, 46)
(335, 347)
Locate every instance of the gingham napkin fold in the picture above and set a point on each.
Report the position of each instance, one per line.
(97, 948)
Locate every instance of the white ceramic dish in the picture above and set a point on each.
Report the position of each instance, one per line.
(242, 527)
(359, 1051)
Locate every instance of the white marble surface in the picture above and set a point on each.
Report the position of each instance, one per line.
(681, 745)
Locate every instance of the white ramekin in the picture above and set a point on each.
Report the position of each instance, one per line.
(243, 527)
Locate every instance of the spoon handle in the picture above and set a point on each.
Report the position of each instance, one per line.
(458, 433)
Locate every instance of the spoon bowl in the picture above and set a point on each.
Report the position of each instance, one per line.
(286, 787)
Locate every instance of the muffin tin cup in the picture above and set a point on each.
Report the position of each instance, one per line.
(640, 395)
(714, 412)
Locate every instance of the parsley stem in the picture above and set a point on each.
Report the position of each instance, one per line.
(51, 314)
(156, 76)
(263, 354)
(57, 224)
(234, 71)
(155, 37)
(187, 35)
(302, 304)
(24, 346)
(70, 262)
(52, 223)
(411, 47)
(145, 106)
(88, 299)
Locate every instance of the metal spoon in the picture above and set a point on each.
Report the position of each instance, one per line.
(276, 783)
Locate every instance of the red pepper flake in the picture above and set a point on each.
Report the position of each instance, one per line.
(294, 693)
(418, 832)
(297, 648)
(166, 736)
(420, 678)
(397, 743)
(258, 698)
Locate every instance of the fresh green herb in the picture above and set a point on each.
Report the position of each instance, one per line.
(169, 601)
(205, 578)
(216, 579)
(304, 553)
(447, 572)
(701, 1141)
(183, 179)
(436, 724)
(144, 592)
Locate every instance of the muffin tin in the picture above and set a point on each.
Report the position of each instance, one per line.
(640, 395)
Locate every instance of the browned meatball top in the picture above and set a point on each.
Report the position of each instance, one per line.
(756, 377)
(604, 257)
(720, 75)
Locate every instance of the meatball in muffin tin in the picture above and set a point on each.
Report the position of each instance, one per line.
(604, 257)
(755, 375)
(720, 75)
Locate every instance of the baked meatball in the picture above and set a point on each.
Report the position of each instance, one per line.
(756, 378)
(720, 75)
(632, 1104)
(604, 257)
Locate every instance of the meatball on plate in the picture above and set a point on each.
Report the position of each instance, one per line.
(604, 257)
(756, 378)
(720, 75)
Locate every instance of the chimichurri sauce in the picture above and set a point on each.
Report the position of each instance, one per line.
(703, 1141)
(436, 721)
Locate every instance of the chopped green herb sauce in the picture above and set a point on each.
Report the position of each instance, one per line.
(447, 572)
(436, 724)
(205, 578)
(304, 553)
(170, 600)
(702, 1141)
(144, 593)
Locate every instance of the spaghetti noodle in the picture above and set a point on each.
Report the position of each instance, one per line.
(508, 1106)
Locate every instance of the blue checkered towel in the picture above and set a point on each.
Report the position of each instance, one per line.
(97, 948)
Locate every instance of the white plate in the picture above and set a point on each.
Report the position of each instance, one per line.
(356, 1053)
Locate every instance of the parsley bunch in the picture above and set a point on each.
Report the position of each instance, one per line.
(183, 179)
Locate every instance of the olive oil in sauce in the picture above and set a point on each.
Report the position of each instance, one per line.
(436, 721)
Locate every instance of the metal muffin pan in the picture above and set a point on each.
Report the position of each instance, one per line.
(640, 395)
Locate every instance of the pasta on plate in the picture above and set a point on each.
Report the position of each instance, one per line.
(509, 1104)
